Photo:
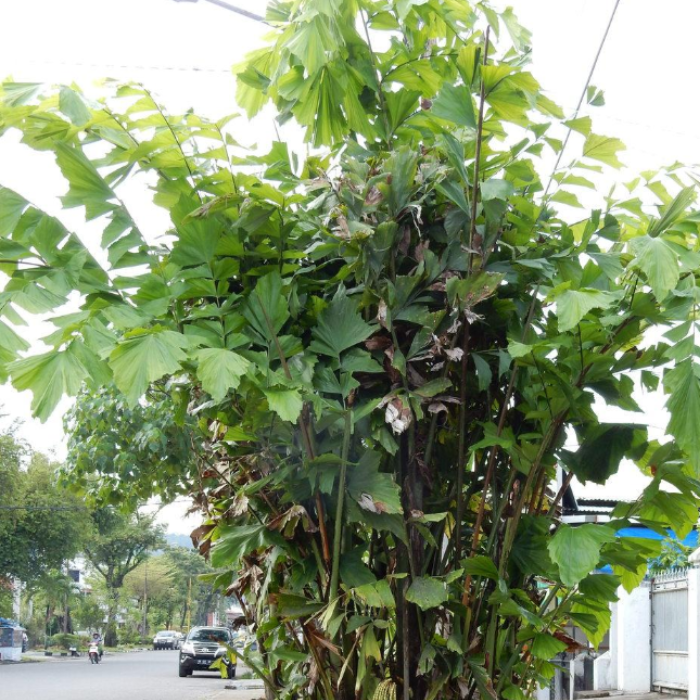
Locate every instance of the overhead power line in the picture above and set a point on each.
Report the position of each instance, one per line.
(233, 8)
(583, 93)
(131, 67)
(43, 508)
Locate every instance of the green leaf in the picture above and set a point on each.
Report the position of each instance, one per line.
(10, 343)
(377, 595)
(631, 579)
(286, 403)
(339, 327)
(14, 94)
(601, 587)
(427, 592)
(673, 212)
(483, 371)
(373, 490)
(48, 377)
(574, 304)
(593, 619)
(455, 154)
(86, 186)
(594, 96)
(517, 349)
(496, 189)
(357, 360)
(353, 571)
(545, 646)
(313, 43)
(567, 198)
(266, 309)
(143, 357)
(581, 124)
(401, 105)
(454, 103)
(73, 106)
(236, 542)
(11, 208)
(196, 243)
(603, 149)
(480, 565)
(658, 261)
(482, 678)
(683, 387)
(474, 289)
(519, 35)
(454, 191)
(294, 606)
(601, 451)
(576, 550)
(512, 692)
(220, 370)
(530, 552)
(403, 7)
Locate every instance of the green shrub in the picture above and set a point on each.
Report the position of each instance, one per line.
(129, 636)
(64, 641)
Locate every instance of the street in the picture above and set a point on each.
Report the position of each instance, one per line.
(150, 675)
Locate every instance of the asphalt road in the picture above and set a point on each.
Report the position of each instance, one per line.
(148, 675)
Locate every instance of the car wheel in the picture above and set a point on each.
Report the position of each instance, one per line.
(182, 672)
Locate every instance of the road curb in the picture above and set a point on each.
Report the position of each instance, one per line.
(247, 684)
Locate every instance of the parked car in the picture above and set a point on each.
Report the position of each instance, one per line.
(244, 640)
(203, 646)
(167, 639)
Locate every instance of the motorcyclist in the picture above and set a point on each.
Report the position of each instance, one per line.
(97, 639)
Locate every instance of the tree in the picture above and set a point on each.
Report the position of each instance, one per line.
(384, 345)
(177, 585)
(151, 584)
(120, 544)
(55, 591)
(134, 448)
(673, 555)
(197, 594)
(88, 613)
(42, 525)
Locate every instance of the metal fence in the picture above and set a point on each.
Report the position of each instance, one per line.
(669, 630)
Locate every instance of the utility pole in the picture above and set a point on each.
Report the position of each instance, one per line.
(189, 604)
(145, 600)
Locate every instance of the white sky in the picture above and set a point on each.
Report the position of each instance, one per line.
(183, 52)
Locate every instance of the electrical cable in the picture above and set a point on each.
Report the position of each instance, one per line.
(583, 96)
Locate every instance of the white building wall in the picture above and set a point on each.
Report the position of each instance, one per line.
(694, 628)
(630, 641)
(601, 672)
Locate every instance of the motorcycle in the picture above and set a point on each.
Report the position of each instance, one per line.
(94, 653)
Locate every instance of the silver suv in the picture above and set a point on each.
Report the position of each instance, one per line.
(167, 639)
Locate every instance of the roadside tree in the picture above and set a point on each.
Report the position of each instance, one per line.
(42, 525)
(120, 543)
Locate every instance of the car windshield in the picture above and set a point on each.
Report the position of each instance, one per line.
(165, 634)
(209, 636)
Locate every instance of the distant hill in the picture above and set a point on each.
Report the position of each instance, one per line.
(179, 541)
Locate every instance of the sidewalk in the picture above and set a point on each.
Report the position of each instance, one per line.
(620, 695)
(239, 695)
